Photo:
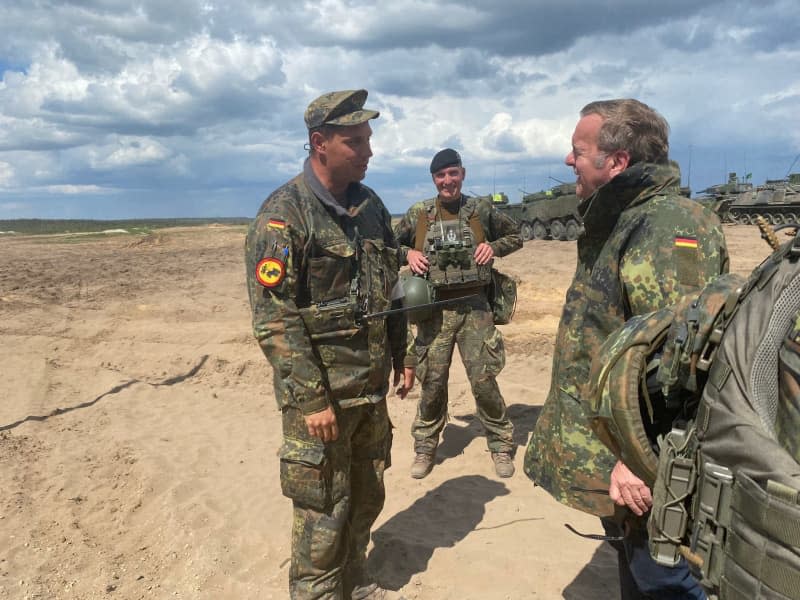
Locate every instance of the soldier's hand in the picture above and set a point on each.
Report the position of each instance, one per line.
(626, 489)
(408, 381)
(483, 253)
(323, 425)
(417, 261)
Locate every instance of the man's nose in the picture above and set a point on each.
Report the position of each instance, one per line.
(569, 159)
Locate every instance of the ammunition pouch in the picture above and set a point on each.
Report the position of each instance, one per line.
(691, 344)
(502, 297)
(674, 484)
(712, 518)
(762, 553)
(452, 265)
(744, 542)
(333, 318)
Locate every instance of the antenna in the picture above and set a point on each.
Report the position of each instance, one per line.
(689, 173)
(796, 158)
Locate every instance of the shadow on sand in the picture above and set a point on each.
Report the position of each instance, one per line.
(455, 438)
(404, 544)
(599, 578)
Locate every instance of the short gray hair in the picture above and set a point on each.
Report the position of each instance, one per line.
(632, 126)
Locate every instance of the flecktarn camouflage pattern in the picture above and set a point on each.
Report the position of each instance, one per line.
(643, 248)
(646, 374)
(339, 108)
(315, 272)
(448, 235)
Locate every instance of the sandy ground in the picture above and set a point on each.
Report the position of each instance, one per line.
(138, 437)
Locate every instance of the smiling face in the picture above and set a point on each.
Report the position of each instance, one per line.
(448, 181)
(592, 167)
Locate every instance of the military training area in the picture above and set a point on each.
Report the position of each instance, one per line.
(400, 300)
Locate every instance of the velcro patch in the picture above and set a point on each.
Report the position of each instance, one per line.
(270, 271)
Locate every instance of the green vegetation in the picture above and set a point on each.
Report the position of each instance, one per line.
(136, 226)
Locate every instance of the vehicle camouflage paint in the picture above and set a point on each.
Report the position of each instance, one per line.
(738, 201)
(549, 213)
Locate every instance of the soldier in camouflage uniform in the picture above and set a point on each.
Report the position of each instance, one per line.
(321, 256)
(452, 239)
(644, 247)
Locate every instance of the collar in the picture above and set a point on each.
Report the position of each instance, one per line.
(355, 194)
(634, 186)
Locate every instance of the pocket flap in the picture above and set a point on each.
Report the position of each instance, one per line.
(302, 452)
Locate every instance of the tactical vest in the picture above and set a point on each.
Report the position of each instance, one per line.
(449, 245)
(727, 481)
(350, 272)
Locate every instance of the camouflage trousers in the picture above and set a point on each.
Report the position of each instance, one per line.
(337, 491)
(470, 326)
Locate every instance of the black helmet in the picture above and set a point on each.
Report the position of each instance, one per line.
(417, 291)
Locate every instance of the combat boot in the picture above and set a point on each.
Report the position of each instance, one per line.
(503, 464)
(422, 465)
(373, 591)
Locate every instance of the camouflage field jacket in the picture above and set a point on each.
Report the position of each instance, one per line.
(501, 231)
(644, 247)
(314, 270)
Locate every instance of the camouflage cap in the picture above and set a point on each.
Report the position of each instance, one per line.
(339, 108)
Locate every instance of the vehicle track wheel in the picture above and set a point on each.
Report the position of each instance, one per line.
(557, 230)
(572, 230)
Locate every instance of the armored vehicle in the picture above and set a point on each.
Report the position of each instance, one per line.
(777, 200)
(552, 213)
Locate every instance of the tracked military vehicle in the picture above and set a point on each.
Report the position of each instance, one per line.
(549, 213)
(777, 200)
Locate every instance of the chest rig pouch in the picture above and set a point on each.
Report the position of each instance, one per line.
(736, 524)
(347, 276)
(449, 244)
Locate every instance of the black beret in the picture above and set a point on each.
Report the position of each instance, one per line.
(445, 158)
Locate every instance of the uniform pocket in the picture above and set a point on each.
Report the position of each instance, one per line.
(305, 474)
(493, 354)
(329, 274)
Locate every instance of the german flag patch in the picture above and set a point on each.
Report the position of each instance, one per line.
(685, 242)
(687, 257)
(270, 271)
(276, 224)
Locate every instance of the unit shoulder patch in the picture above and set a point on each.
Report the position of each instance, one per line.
(270, 271)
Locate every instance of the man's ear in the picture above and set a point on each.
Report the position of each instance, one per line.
(620, 159)
(463, 173)
(318, 141)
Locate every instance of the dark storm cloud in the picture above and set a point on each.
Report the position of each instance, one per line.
(128, 99)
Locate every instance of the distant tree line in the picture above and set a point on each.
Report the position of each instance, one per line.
(50, 226)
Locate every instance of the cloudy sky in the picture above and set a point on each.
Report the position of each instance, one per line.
(125, 108)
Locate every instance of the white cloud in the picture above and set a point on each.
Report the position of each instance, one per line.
(209, 97)
(73, 190)
(128, 152)
(6, 174)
